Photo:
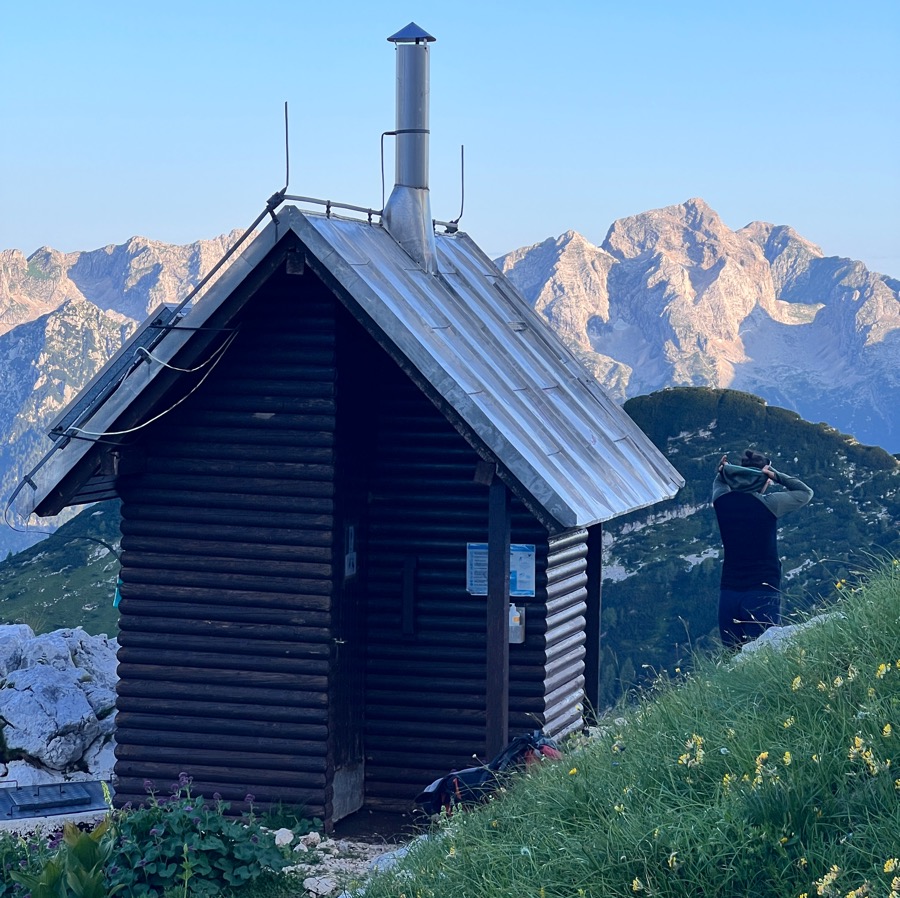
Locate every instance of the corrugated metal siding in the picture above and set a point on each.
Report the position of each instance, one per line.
(227, 570)
(425, 688)
(565, 633)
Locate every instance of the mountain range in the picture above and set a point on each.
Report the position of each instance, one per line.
(672, 297)
(62, 315)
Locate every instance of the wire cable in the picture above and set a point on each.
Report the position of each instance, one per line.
(119, 433)
(153, 358)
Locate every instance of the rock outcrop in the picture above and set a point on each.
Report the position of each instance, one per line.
(57, 705)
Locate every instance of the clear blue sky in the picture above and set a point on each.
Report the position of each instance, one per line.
(165, 119)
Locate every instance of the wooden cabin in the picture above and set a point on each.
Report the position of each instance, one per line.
(326, 464)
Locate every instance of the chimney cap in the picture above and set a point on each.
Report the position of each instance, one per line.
(412, 33)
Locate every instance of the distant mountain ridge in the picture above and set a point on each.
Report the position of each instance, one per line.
(673, 297)
(130, 279)
(62, 315)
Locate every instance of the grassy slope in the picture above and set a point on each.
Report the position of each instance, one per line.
(768, 775)
(67, 580)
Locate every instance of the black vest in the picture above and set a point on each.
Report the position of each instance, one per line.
(750, 537)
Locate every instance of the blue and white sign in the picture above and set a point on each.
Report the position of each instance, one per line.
(521, 569)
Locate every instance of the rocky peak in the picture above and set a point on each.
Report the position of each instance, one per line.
(690, 233)
(789, 255)
(675, 297)
(135, 277)
(32, 287)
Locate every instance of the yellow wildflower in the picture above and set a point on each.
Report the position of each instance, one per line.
(815, 759)
(673, 860)
(787, 759)
(789, 722)
(693, 756)
(573, 771)
(838, 682)
(891, 864)
(881, 673)
(859, 892)
(823, 885)
(821, 686)
(887, 731)
(619, 808)
(797, 683)
(637, 885)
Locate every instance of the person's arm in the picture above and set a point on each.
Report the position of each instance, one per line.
(796, 495)
(720, 487)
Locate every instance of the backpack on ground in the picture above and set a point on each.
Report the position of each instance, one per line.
(473, 785)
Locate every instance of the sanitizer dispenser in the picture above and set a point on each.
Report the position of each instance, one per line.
(516, 624)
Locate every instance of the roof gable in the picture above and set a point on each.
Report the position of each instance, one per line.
(465, 336)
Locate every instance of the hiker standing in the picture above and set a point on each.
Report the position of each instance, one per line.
(750, 594)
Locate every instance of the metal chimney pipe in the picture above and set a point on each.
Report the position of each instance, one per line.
(407, 213)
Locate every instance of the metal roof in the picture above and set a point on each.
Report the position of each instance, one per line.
(474, 344)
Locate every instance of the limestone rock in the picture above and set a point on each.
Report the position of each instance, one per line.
(47, 716)
(13, 639)
(320, 885)
(57, 704)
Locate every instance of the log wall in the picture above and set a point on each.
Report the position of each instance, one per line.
(227, 572)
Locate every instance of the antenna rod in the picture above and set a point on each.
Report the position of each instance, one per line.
(287, 150)
(462, 183)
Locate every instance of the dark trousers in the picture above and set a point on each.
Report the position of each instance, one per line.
(744, 614)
